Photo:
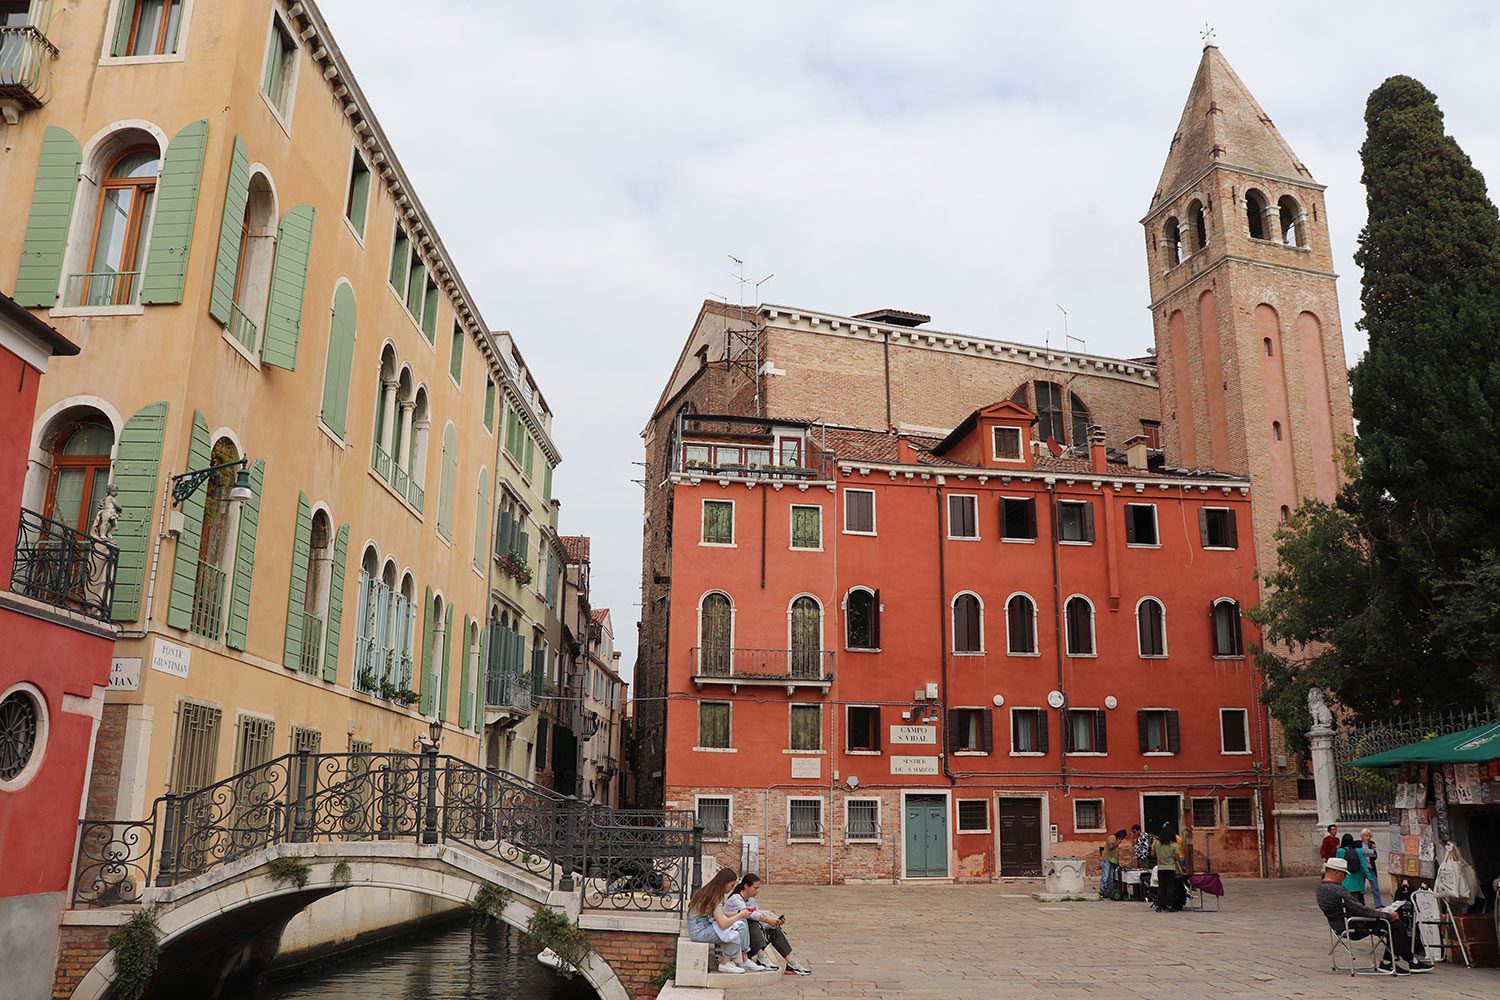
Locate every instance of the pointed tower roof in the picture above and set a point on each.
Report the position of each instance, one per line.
(1222, 123)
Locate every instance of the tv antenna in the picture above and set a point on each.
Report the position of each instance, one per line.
(742, 349)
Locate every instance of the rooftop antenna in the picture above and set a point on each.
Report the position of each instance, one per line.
(742, 344)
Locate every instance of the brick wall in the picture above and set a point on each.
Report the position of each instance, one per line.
(79, 950)
(104, 780)
(637, 958)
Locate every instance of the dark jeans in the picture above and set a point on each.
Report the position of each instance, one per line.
(1168, 890)
(761, 935)
(1397, 938)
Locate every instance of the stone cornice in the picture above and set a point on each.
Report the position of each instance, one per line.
(1236, 259)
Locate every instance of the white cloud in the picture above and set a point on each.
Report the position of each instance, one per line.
(589, 165)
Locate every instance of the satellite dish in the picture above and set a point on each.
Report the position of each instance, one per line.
(853, 781)
(1056, 699)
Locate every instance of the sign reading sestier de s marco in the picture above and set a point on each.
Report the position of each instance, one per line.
(914, 734)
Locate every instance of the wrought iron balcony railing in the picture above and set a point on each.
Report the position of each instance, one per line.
(381, 460)
(64, 568)
(400, 480)
(506, 689)
(312, 643)
(242, 328)
(26, 65)
(101, 288)
(775, 666)
(415, 495)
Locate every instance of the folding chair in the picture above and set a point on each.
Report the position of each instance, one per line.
(1357, 930)
(1424, 904)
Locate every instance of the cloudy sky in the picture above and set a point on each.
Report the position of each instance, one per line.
(591, 165)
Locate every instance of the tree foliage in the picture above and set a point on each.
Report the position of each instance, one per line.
(1390, 597)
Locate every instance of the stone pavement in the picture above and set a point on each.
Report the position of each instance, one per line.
(952, 942)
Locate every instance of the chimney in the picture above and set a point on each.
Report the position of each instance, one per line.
(1098, 457)
(906, 452)
(1137, 452)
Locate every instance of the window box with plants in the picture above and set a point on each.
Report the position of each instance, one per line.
(514, 565)
(387, 691)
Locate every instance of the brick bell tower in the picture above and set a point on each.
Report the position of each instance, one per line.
(1249, 349)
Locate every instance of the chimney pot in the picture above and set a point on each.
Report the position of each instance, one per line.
(1098, 456)
(1138, 452)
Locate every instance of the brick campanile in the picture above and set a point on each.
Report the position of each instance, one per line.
(1243, 301)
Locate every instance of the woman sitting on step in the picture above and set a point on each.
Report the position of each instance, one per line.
(765, 928)
(710, 923)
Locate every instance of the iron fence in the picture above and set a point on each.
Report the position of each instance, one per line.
(26, 57)
(64, 568)
(208, 601)
(1366, 793)
(101, 288)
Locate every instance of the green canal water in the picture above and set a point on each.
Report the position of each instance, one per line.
(456, 961)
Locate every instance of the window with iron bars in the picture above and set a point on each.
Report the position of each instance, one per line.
(255, 742)
(713, 816)
(862, 819)
(805, 819)
(195, 749)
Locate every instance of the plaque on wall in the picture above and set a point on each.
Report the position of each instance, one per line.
(914, 765)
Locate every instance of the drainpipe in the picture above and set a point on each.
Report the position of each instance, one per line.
(161, 530)
(889, 422)
(943, 637)
(1057, 636)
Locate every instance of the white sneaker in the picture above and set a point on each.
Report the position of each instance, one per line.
(751, 965)
(730, 968)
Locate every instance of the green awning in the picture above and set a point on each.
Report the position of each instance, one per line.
(1472, 746)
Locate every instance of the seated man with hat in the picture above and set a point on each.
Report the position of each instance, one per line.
(1336, 902)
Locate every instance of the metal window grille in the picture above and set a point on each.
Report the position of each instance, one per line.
(713, 816)
(255, 742)
(1205, 812)
(1240, 811)
(1088, 814)
(806, 819)
(361, 746)
(862, 821)
(305, 738)
(196, 748)
(973, 815)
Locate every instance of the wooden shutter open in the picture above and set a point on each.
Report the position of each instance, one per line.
(987, 730)
(137, 467)
(172, 222)
(447, 663)
(1129, 524)
(1174, 733)
(296, 600)
(335, 605)
(120, 46)
(1143, 728)
(952, 731)
(185, 561)
(1101, 733)
(288, 288)
(875, 620)
(425, 687)
(1203, 526)
(465, 708)
(340, 365)
(1231, 530)
(244, 559)
(231, 226)
(1041, 730)
(51, 216)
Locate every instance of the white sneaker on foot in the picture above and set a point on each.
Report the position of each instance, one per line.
(751, 965)
(730, 968)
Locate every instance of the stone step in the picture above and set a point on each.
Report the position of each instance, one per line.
(743, 981)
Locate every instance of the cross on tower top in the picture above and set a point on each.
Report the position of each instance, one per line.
(1207, 34)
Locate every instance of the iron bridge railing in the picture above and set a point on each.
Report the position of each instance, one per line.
(617, 859)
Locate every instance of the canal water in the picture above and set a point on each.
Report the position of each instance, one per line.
(457, 961)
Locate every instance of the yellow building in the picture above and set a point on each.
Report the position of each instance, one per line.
(204, 201)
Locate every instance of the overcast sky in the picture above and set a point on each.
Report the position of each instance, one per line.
(591, 164)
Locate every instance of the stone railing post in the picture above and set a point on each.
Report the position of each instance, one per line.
(1325, 773)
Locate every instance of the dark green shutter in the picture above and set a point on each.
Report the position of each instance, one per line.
(51, 215)
(447, 661)
(231, 227)
(176, 206)
(288, 284)
(547, 483)
(456, 354)
(340, 362)
(296, 601)
(429, 312)
(244, 558)
(416, 285)
(465, 707)
(400, 253)
(335, 605)
(425, 688)
(185, 563)
(120, 46)
(481, 696)
(359, 194)
(530, 455)
(489, 404)
(137, 464)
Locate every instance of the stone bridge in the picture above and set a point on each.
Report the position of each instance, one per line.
(226, 868)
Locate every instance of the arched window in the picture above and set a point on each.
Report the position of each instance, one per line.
(318, 578)
(1226, 626)
(386, 409)
(1255, 214)
(1151, 627)
(806, 638)
(1292, 232)
(862, 619)
(715, 635)
(1199, 219)
(367, 626)
(80, 470)
(1286, 513)
(432, 657)
(968, 624)
(401, 435)
(1171, 235)
(127, 194)
(1270, 348)
(1080, 626)
(1020, 625)
(1276, 429)
(252, 277)
(1068, 425)
(421, 421)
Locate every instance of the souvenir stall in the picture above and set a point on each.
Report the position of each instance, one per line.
(1444, 830)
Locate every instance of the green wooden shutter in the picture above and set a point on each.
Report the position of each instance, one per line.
(296, 601)
(429, 312)
(481, 519)
(465, 707)
(244, 559)
(400, 253)
(359, 193)
(447, 661)
(489, 404)
(176, 206)
(137, 464)
(185, 563)
(448, 482)
(425, 688)
(51, 214)
(340, 362)
(231, 227)
(335, 605)
(416, 286)
(547, 482)
(530, 455)
(456, 354)
(288, 284)
(120, 46)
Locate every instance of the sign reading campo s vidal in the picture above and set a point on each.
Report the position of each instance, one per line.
(914, 734)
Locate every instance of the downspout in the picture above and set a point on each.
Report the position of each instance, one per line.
(1057, 637)
(763, 537)
(889, 422)
(943, 637)
(161, 529)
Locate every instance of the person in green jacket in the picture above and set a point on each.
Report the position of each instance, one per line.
(1355, 859)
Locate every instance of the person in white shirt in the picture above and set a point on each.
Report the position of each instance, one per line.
(765, 928)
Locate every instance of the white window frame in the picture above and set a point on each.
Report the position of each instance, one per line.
(860, 753)
(1220, 548)
(822, 819)
(1165, 648)
(734, 523)
(822, 719)
(698, 704)
(1155, 524)
(979, 750)
(973, 498)
(791, 520)
(1020, 458)
(728, 818)
(878, 608)
(1103, 822)
(1036, 638)
(1213, 628)
(958, 826)
(953, 633)
(1193, 811)
(874, 525)
(1228, 825)
(1245, 716)
(1067, 719)
(1165, 712)
(1071, 503)
(1093, 629)
(1006, 538)
(357, 153)
(282, 119)
(822, 626)
(1012, 727)
(183, 23)
(880, 831)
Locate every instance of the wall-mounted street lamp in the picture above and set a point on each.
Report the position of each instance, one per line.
(186, 484)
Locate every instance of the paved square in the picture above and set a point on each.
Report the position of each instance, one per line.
(950, 942)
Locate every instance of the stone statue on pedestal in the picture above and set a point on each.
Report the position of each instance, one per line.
(1317, 707)
(108, 515)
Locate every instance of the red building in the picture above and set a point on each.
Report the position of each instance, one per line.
(55, 648)
(895, 656)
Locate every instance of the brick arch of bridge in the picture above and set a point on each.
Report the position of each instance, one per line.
(228, 922)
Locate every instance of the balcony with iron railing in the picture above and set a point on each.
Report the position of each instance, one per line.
(208, 601)
(26, 57)
(102, 288)
(242, 328)
(791, 668)
(415, 495)
(747, 448)
(508, 692)
(380, 459)
(64, 568)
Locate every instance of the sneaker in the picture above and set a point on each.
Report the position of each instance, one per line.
(792, 970)
(1417, 965)
(1402, 970)
(730, 968)
(751, 965)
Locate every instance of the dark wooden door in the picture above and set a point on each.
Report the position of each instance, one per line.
(1021, 838)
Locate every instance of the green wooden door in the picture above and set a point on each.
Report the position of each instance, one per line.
(926, 836)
